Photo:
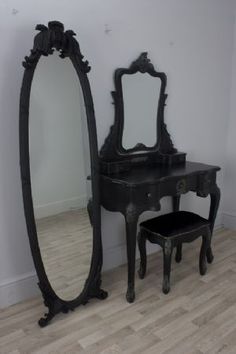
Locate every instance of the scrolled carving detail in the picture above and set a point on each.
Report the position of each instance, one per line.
(166, 146)
(114, 157)
(181, 186)
(54, 304)
(108, 148)
(142, 64)
(54, 37)
(204, 185)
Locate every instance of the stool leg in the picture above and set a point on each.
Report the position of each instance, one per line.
(178, 255)
(203, 252)
(167, 253)
(209, 254)
(143, 255)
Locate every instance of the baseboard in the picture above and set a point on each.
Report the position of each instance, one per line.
(25, 286)
(116, 256)
(60, 206)
(219, 221)
(18, 289)
(229, 220)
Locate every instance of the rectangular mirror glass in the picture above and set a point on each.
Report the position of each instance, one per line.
(141, 94)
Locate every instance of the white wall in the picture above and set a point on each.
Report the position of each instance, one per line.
(191, 40)
(229, 196)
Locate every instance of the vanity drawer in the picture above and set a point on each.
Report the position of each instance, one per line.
(205, 182)
(178, 186)
(185, 184)
(147, 196)
(182, 186)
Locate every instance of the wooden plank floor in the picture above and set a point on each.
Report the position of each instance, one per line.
(198, 316)
(65, 242)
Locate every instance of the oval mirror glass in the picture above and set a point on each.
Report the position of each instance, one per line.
(59, 166)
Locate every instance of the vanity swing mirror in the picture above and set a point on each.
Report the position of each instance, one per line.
(139, 134)
(59, 171)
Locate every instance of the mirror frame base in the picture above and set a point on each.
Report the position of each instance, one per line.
(46, 41)
(56, 305)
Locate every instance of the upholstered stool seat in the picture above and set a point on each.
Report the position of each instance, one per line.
(170, 231)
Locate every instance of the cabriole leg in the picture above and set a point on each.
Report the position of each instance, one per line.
(178, 255)
(167, 253)
(176, 204)
(215, 201)
(131, 220)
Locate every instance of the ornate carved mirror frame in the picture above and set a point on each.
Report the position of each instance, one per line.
(113, 156)
(48, 39)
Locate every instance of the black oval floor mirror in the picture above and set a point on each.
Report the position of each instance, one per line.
(60, 171)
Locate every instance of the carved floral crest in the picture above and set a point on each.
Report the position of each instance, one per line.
(54, 37)
(142, 64)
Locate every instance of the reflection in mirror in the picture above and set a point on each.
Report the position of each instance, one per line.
(141, 94)
(59, 164)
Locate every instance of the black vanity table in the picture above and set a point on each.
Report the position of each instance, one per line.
(141, 189)
(134, 180)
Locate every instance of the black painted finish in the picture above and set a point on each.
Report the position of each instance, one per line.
(148, 175)
(142, 188)
(176, 204)
(113, 157)
(133, 181)
(170, 231)
(46, 41)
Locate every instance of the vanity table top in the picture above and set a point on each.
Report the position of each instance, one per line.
(153, 174)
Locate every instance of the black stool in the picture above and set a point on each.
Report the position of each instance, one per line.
(170, 231)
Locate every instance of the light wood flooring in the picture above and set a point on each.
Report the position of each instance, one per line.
(197, 316)
(66, 244)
